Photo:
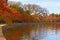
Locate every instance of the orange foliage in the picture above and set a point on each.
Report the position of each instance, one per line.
(4, 9)
(27, 17)
(58, 18)
(12, 11)
(37, 17)
(51, 18)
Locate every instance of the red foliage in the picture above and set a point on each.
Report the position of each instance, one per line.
(27, 17)
(51, 18)
(58, 18)
(37, 17)
(4, 9)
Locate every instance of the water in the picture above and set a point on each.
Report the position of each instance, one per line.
(50, 32)
(34, 31)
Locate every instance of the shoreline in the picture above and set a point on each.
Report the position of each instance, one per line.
(34, 23)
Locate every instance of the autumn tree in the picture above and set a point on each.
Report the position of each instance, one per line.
(35, 9)
(53, 14)
(17, 7)
(4, 1)
(16, 3)
(27, 11)
(4, 9)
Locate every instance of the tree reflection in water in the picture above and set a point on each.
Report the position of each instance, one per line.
(30, 31)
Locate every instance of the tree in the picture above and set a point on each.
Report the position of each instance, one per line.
(4, 9)
(35, 9)
(4, 1)
(17, 7)
(53, 14)
(14, 2)
(27, 11)
(52, 17)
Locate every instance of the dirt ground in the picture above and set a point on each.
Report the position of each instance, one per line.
(1, 34)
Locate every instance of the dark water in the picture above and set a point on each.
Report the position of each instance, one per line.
(36, 31)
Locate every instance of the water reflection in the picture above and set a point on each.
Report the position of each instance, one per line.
(32, 32)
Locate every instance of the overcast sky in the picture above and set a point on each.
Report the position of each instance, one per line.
(51, 5)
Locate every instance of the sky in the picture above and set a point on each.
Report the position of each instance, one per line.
(53, 6)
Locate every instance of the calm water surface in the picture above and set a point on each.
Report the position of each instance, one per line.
(49, 32)
(41, 32)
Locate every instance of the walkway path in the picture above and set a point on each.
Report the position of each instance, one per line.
(1, 35)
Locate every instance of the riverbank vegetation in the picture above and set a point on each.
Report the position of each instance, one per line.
(26, 13)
